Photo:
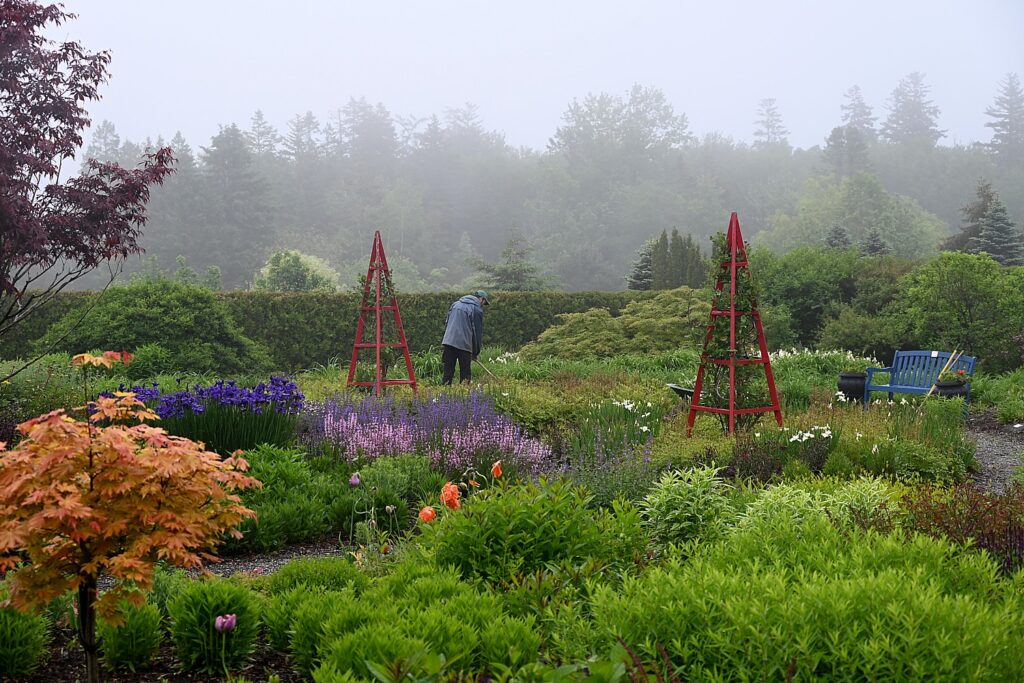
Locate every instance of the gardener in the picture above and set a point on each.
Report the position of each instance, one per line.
(463, 333)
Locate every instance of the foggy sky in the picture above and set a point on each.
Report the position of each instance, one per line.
(188, 65)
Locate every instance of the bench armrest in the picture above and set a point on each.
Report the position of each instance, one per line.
(872, 371)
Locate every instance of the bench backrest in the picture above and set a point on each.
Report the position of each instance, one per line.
(922, 368)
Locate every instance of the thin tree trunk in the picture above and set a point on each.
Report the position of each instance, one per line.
(87, 628)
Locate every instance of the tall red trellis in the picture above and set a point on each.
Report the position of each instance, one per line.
(378, 280)
(737, 251)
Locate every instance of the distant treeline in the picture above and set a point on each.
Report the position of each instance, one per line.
(618, 171)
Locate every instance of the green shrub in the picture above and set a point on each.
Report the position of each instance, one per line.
(133, 644)
(383, 645)
(23, 640)
(150, 360)
(503, 533)
(663, 323)
(188, 321)
(167, 583)
(193, 613)
(318, 621)
(326, 573)
(508, 644)
(686, 506)
(279, 614)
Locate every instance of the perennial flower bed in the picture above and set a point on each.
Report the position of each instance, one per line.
(455, 433)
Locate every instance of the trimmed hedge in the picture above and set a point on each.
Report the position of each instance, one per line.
(303, 329)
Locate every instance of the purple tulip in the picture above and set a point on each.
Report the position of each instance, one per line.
(225, 623)
(354, 480)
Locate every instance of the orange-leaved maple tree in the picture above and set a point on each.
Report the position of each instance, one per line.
(109, 495)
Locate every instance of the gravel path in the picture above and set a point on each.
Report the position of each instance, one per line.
(270, 562)
(999, 452)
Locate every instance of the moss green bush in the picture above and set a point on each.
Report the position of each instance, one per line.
(188, 321)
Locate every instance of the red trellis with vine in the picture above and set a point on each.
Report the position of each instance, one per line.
(716, 358)
(383, 299)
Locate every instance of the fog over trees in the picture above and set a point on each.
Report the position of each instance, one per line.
(450, 194)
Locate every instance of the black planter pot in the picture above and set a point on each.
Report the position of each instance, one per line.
(951, 389)
(851, 385)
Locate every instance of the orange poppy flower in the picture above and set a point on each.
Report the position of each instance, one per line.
(428, 514)
(496, 469)
(450, 495)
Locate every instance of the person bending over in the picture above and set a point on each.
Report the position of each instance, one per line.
(463, 334)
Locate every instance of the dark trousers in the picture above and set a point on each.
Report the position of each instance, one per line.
(448, 358)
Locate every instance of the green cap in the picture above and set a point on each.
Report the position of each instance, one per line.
(483, 295)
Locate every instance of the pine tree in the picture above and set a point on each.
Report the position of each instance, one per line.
(640, 273)
(659, 263)
(105, 144)
(999, 237)
(1008, 125)
(973, 214)
(846, 151)
(263, 138)
(770, 130)
(515, 272)
(858, 114)
(695, 270)
(676, 260)
(874, 244)
(302, 141)
(838, 238)
(912, 116)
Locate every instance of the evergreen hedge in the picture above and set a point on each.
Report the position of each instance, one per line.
(303, 329)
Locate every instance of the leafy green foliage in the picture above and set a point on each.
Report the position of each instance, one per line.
(965, 301)
(188, 321)
(503, 533)
(669, 321)
(293, 271)
(193, 614)
(132, 644)
(325, 573)
(687, 505)
(23, 640)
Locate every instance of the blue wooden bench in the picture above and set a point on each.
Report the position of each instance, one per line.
(914, 372)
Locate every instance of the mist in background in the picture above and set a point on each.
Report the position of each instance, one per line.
(577, 131)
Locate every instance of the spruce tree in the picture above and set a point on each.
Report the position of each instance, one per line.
(1008, 125)
(694, 271)
(912, 116)
(770, 130)
(858, 114)
(676, 260)
(846, 151)
(973, 214)
(999, 237)
(640, 273)
(838, 238)
(659, 263)
(874, 244)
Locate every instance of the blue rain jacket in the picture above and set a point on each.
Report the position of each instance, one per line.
(464, 326)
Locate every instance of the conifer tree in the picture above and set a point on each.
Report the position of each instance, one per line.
(837, 237)
(858, 114)
(659, 263)
(846, 151)
(1008, 125)
(973, 214)
(998, 237)
(912, 116)
(770, 130)
(640, 274)
(676, 260)
(874, 244)
(694, 270)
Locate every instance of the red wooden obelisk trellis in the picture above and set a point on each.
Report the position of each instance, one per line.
(737, 260)
(378, 280)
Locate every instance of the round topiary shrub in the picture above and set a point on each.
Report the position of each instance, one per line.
(192, 327)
